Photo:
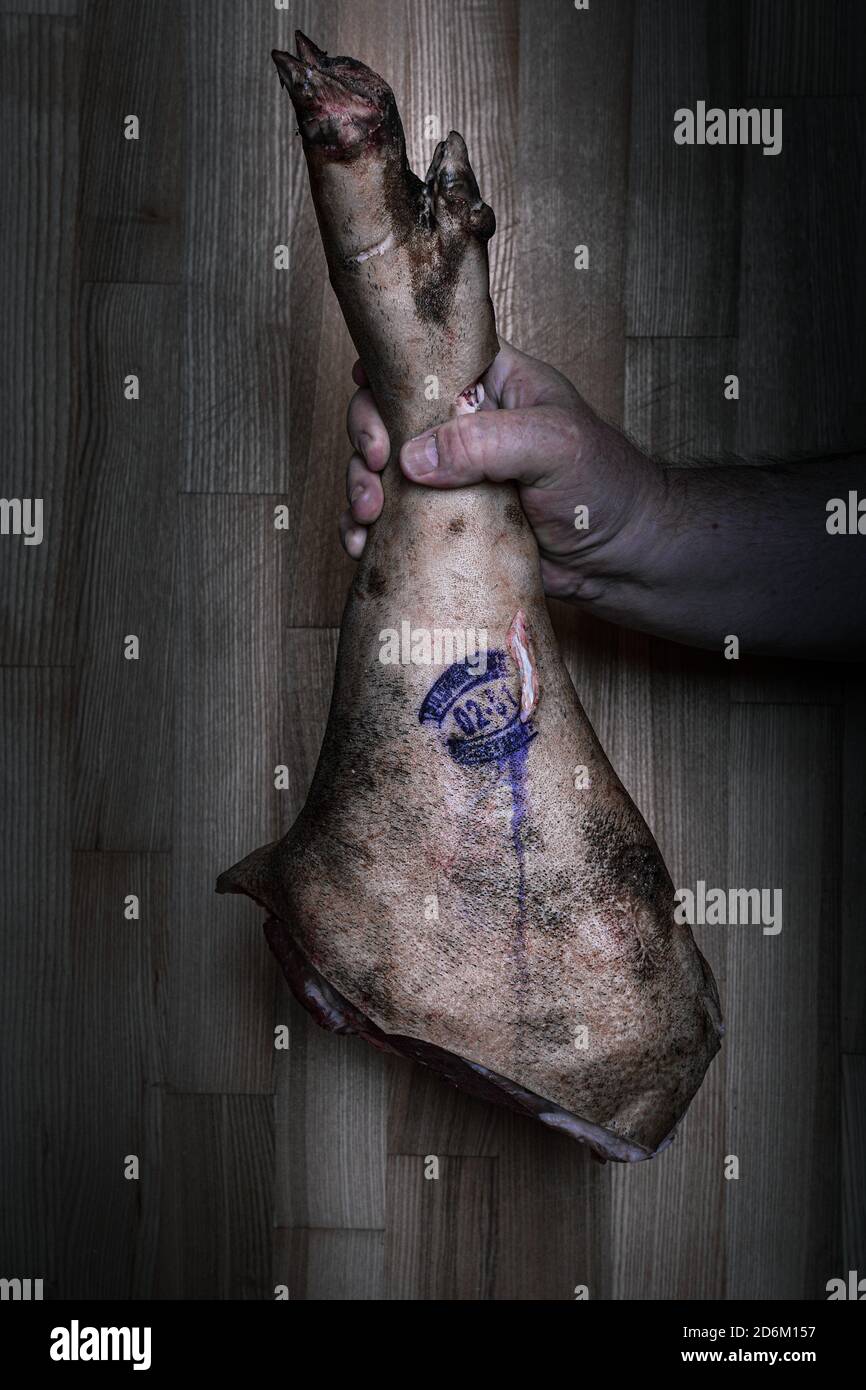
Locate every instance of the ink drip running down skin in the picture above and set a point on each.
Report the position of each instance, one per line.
(517, 779)
(483, 723)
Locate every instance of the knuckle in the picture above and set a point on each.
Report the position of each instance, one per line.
(462, 444)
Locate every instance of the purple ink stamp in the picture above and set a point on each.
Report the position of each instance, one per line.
(480, 719)
(477, 712)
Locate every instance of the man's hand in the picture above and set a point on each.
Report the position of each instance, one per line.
(536, 431)
(692, 554)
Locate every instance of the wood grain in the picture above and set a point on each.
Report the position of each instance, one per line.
(575, 117)
(40, 7)
(330, 1119)
(675, 397)
(553, 1218)
(35, 766)
(132, 191)
(128, 476)
(47, 7)
(39, 79)
(805, 48)
(853, 867)
(427, 1115)
(330, 1265)
(441, 1237)
(676, 764)
(783, 1007)
(801, 360)
(227, 748)
(768, 680)
(681, 271)
(237, 180)
(113, 1109)
(215, 1198)
(853, 1166)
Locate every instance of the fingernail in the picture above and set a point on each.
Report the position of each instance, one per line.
(420, 456)
(357, 491)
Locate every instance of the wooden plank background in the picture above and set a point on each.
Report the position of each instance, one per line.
(153, 1037)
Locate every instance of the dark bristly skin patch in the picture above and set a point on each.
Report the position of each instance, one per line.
(623, 864)
(377, 583)
(514, 516)
(451, 187)
(434, 281)
(457, 525)
(402, 190)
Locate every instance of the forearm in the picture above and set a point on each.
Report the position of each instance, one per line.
(744, 549)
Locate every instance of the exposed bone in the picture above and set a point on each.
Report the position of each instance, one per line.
(470, 401)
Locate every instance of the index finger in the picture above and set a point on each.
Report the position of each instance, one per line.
(515, 380)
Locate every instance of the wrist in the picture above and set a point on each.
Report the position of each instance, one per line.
(629, 520)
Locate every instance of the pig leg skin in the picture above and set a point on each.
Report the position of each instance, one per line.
(453, 890)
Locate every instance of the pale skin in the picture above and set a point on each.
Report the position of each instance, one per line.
(690, 554)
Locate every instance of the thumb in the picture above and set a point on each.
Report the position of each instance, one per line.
(496, 446)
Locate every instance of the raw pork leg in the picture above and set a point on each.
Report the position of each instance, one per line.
(452, 890)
